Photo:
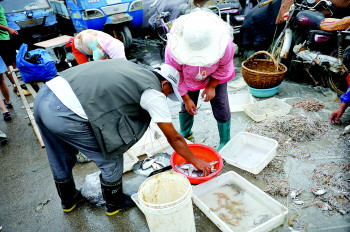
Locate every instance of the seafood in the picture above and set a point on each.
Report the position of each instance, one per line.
(190, 170)
(318, 191)
(229, 220)
(152, 162)
(147, 163)
(309, 104)
(291, 219)
(298, 202)
(293, 194)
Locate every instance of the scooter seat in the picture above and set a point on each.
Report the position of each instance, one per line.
(333, 24)
(226, 6)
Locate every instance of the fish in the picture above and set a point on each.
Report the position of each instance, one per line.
(318, 192)
(298, 202)
(147, 163)
(190, 170)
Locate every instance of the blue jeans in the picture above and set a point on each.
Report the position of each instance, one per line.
(65, 134)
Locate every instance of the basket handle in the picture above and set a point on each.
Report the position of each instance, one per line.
(267, 54)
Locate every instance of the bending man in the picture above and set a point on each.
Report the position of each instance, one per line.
(103, 119)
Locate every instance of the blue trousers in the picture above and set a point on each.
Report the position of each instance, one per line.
(65, 134)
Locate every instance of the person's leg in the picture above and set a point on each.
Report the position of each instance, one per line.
(8, 54)
(5, 92)
(53, 125)
(63, 143)
(222, 113)
(186, 119)
(5, 113)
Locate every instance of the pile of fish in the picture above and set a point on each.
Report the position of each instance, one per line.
(190, 170)
(152, 162)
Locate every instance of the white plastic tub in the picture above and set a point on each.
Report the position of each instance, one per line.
(262, 110)
(239, 100)
(165, 199)
(129, 161)
(256, 211)
(250, 152)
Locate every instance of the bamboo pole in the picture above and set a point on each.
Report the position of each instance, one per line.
(29, 111)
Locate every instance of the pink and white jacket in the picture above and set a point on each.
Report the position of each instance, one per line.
(194, 78)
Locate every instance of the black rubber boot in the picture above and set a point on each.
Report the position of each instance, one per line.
(69, 195)
(115, 199)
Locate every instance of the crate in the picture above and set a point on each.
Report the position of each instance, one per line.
(239, 100)
(265, 109)
(129, 161)
(250, 152)
(261, 212)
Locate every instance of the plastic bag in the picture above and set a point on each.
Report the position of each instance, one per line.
(92, 189)
(35, 65)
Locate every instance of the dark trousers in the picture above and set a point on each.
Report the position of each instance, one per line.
(219, 104)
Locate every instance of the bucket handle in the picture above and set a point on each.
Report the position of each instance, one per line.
(264, 53)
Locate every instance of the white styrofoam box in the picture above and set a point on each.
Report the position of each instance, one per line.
(250, 152)
(262, 110)
(239, 100)
(129, 161)
(258, 211)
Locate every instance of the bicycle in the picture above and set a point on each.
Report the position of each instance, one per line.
(159, 22)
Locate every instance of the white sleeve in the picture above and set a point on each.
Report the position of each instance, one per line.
(155, 103)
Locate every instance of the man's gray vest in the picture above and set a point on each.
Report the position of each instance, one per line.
(110, 92)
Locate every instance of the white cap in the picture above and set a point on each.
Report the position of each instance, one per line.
(173, 76)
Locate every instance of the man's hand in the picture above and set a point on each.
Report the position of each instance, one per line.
(203, 166)
(180, 146)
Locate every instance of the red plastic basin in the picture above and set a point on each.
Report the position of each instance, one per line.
(202, 152)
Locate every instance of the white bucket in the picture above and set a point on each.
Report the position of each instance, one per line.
(166, 201)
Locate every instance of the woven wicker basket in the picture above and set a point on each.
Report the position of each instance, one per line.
(262, 73)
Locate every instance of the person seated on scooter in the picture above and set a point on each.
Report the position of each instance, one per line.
(345, 98)
(200, 47)
(97, 44)
(76, 111)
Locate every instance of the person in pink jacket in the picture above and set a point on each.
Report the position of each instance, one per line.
(97, 44)
(200, 47)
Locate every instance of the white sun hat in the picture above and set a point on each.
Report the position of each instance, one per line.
(199, 38)
(173, 76)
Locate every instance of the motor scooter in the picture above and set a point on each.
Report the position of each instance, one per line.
(115, 17)
(311, 52)
(33, 19)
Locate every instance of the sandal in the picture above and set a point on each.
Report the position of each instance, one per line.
(6, 116)
(8, 105)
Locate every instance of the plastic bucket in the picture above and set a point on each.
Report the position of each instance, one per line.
(166, 201)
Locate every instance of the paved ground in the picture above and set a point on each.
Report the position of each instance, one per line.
(29, 202)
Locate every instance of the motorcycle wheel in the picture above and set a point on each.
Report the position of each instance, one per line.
(161, 31)
(277, 47)
(337, 82)
(124, 35)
